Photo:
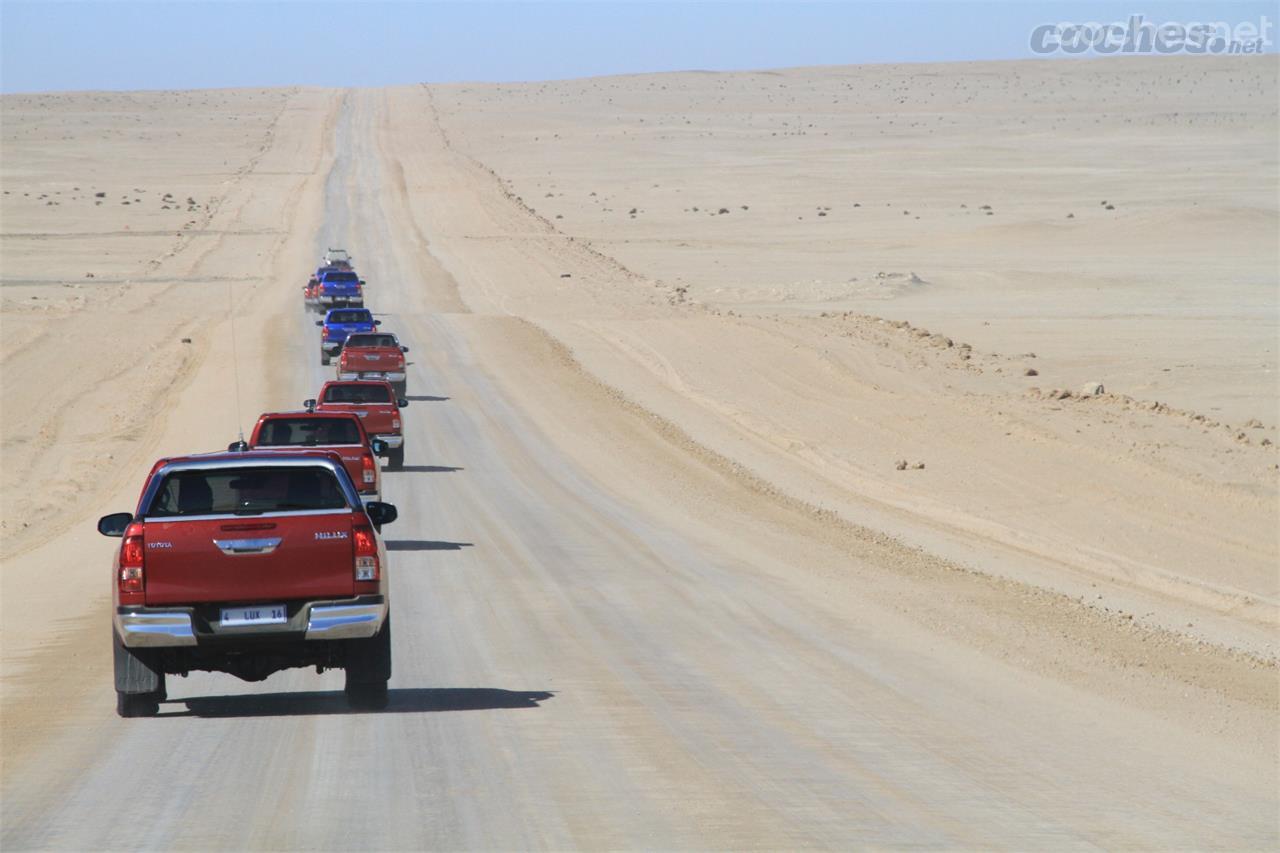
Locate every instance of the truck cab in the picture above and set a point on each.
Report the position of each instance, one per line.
(339, 288)
(374, 355)
(377, 406)
(340, 432)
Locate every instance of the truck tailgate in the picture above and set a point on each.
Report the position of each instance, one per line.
(251, 559)
(376, 417)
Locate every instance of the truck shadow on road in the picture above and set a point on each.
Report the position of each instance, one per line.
(402, 700)
(425, 398)
(425, 545)
(425, 469)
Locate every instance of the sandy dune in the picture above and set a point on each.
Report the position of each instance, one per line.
(737, 325)
(675, 441)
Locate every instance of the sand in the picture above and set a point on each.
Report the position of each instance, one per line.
(776, 336)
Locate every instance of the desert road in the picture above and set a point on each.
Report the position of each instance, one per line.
(602, 642)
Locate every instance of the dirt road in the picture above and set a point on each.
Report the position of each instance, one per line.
(607, 638)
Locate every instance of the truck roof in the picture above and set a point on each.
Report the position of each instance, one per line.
(255, 455)
(287, 456)
(364, 312)
(305, 413)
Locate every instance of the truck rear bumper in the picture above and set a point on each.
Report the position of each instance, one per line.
(349, 375)
(393, 441)
(345, 619)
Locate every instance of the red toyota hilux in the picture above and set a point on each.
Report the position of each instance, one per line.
(249, 563)
(377, 406)
(338, 431)
(373, 355)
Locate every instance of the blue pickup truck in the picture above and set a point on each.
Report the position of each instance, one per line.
(339, 323)
(339, 288)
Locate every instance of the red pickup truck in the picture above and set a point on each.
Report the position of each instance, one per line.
(338, 431)
(373, 355)
(249, 563)
(375, 404)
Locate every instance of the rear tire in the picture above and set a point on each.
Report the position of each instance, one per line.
(324, 359)
(368, 667)
(395, 458)
(400, 388)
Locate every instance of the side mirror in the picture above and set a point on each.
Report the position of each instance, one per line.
(401, 402)
(309, 405)
(378, 446)
(379, 513)
(319, 322)
(404, 349)
(377, 322)
(116, 523)
(238, 446)
(362, 283)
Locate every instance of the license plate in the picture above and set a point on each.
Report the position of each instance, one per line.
(257, 614)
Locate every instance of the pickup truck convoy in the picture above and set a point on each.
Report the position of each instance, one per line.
(341, 432)
(269, 555)
(375, 355)
(337, 324)
(377, 406)
(249, 563)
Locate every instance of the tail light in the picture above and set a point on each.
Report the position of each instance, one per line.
(368, 468)
(324, 331)
(366, 552)
(395, 423)
(132, 581)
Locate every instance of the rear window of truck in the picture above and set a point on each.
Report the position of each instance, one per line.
(308, 432)
(345, 277)
(348, 317)
(261, 488)
(371, 341)
(357, 394)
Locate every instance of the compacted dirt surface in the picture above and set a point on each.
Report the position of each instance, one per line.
(630, 609)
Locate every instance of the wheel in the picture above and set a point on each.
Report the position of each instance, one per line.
(137, 704)
(368, 667)
(395, 457)
(139, 680)
(400, 388)
(324, 358)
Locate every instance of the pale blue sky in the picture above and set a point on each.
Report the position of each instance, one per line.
(51, 45)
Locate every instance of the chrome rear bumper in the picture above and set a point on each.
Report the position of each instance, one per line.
(156, 627)
(346, 621)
